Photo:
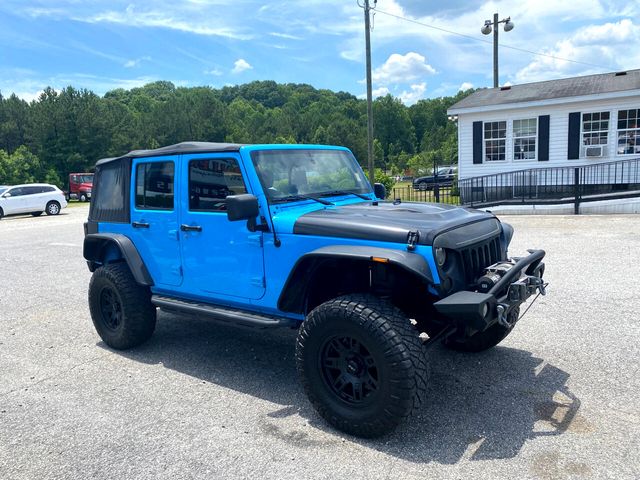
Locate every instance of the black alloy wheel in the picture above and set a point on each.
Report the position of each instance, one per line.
(349, 369)
(110, 308)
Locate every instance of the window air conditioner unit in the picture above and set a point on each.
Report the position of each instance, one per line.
(594, 151)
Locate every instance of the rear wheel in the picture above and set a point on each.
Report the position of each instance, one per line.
(83, 197)
(121, 310)
(53, 208)
(361, 364)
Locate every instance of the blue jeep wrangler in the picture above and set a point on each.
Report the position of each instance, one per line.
(294, 236)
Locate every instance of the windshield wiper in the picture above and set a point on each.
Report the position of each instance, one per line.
(345, 192)
(302, 197)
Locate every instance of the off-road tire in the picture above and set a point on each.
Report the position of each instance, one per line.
(391, 341)
(481, 341)
(52, 208)
(36, 214)
(137, 316)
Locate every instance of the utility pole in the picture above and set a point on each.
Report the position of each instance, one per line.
(367, 37)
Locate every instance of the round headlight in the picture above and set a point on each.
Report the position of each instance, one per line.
(441, 256)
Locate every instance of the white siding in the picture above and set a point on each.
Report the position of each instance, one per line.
(558, 134)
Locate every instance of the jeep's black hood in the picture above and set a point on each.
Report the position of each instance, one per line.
(387, 222)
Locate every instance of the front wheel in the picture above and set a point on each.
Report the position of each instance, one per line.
(362, 364)
(121, 310)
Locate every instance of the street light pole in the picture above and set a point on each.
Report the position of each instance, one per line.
(488, 27)
(367, 37)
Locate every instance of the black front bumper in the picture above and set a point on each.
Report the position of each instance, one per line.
(476, 311)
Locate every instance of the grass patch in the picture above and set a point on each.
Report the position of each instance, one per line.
(76, 204)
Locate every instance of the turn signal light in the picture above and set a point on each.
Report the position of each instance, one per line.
(379, 259)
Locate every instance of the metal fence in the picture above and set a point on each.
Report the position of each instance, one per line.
(554, 185)
(435, 194)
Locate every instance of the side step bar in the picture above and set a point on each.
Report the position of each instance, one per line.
(224, 314)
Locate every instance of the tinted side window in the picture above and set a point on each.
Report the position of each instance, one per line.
(48, 189)
(31, 190)
(211, 181)
(154, 186)
(16, 192)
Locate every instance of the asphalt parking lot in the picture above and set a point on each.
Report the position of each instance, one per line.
(557, 399)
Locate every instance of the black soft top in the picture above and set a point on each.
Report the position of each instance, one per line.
(184, 147)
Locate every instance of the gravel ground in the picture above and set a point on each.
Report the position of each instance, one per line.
(558, 399)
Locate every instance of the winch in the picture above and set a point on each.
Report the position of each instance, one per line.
(493, 274)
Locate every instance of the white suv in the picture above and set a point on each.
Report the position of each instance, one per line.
(33, 198)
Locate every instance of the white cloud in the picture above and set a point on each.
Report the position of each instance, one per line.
(466, 86)
(240, 66)
(379, 92)
(375, 93)
(194, 20)
(216, 72)
(29, 87)
(416, 93)
(286, 36)
(605, 47)
(402, 69)
(135, 62)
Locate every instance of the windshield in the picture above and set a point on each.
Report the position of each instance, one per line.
(3, 189)
(84, 178)
(285, 174)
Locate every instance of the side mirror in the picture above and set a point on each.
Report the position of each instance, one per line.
(6, 195)
(242, 207)
(380, 191)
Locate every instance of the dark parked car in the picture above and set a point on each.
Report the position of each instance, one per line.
(444, 178)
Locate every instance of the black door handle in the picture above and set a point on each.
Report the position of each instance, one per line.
(139, 225)
(190, 228)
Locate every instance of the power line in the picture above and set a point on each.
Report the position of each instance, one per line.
(488, 41)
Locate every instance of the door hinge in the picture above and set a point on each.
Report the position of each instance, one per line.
(412, 239)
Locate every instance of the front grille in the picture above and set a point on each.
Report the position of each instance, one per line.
(478, 257)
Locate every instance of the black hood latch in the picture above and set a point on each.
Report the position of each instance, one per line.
(412, 239)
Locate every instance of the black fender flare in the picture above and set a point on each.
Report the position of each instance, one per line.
(96, 245)
(292, 295)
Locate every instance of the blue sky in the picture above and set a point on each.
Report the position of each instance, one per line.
(102, 45)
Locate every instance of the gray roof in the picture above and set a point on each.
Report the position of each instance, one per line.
(566, 87)
(184, 147)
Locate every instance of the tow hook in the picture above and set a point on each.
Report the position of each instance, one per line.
(502, 317)
(539, 284)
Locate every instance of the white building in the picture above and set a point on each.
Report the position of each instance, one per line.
(559, 123)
